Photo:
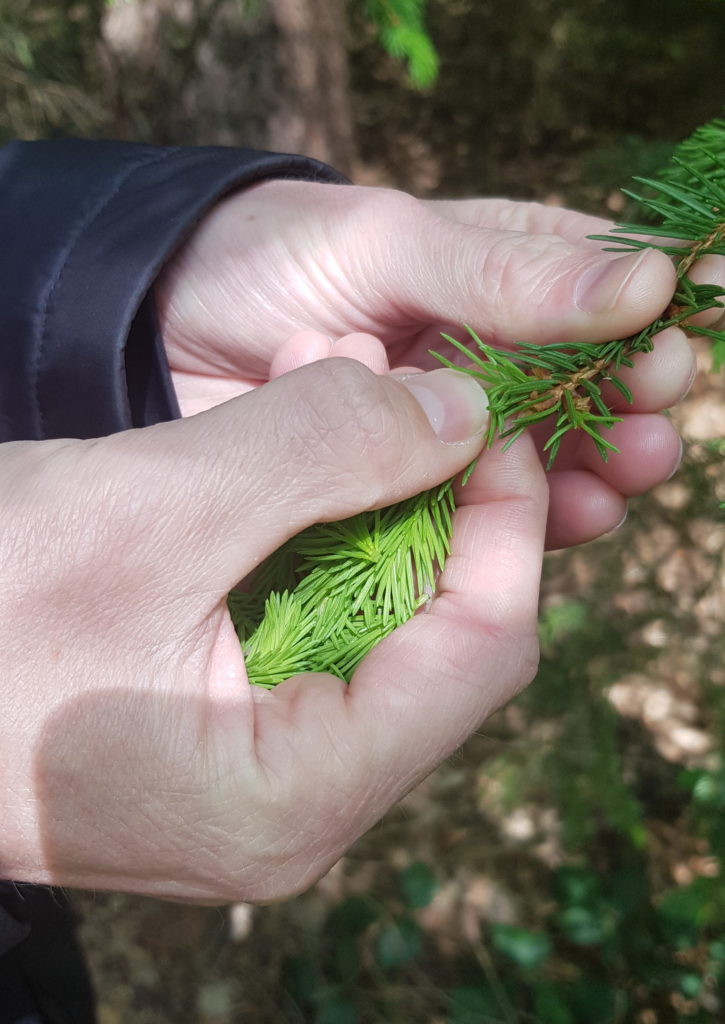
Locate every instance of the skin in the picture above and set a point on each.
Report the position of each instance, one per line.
(379, 263)
(133, 753)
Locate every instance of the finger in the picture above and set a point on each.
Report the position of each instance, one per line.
(514, 286)
(588, 495)
(366, 348)
(650, 451)
(309, 346)
(300, 349)
(710, 270)
(531, 218)
(215, 494)
(582, 507)
(659, 379)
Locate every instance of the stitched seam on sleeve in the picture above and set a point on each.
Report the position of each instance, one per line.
(75, 237)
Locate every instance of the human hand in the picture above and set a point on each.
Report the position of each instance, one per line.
(285, 255)
(133, 753)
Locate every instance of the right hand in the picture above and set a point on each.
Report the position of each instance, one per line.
(285, 255)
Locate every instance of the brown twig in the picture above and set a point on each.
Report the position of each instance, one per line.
(700, 248)
(553, 397)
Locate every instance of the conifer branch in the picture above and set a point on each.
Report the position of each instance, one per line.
(323, 601)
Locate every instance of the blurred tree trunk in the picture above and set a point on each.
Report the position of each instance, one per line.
(270, 73)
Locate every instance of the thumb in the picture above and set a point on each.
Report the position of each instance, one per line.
(220, 491)
(514, 286)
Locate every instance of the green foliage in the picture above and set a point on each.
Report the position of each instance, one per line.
(337, 1009)
(695, 159)
(544, 381)
(688, 201)
(353, 583)
(399, 943)
(418, 884)
(473, 1004)
(49, 68)
(525, 948)
(402, 33)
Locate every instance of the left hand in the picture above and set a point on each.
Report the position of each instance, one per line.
(133, 753)
(284, 256)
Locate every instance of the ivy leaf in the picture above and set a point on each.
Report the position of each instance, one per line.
(526, 948)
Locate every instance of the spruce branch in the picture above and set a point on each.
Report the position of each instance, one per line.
(334, 591)
(325, 599)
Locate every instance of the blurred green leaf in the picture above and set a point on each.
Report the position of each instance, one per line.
(576, 885)
(550, 1005)
(593, 1001)
(399, 943)
(585, 926)
(473, 1004)
(346, 958)
(300, 978)
(700, 903)
(628, 889)
(689, 984)
(337, 1009)
(353, 916)
(418, 884)
(526, 948)
(559, 620)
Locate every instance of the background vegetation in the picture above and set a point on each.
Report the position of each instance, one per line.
(565, 867)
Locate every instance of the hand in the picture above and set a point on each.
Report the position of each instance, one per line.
(284, 256)
(133, 753)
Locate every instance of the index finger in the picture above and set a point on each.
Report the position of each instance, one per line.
(531, 218)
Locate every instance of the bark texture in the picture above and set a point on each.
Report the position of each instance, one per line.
(271, 74)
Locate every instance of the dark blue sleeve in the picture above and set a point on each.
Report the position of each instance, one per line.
(13, 925)
(85, 227)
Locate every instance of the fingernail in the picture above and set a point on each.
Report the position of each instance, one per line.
(599, 288)
(456, 406)
(679, 460)
(624, 518)
(691, 380)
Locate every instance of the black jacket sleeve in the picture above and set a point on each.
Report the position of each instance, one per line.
(85, 228)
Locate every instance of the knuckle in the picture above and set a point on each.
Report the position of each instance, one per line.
(513, 264)
(348, 422)
(385, 204)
